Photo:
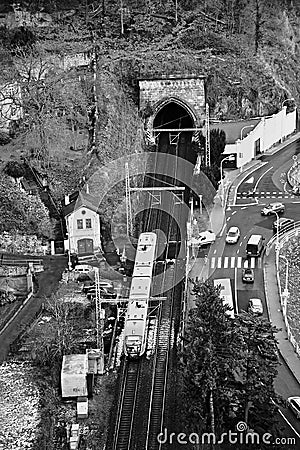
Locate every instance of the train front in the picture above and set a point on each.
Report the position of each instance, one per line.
(135, 332)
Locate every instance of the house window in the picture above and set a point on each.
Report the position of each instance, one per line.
(79, 224)
(88, 223)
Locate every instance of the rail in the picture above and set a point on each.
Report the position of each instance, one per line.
(125, 418)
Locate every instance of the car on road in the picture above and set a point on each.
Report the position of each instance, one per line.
(294, 404)
(255, 306)
(282, 223)
(233, 235)
(273, 208)
(206, 237)
(248, 276)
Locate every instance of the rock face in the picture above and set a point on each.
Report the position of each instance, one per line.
(19, 406)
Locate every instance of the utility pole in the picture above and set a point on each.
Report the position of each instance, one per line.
(122, 17)
(94, 112)
(207, 137)
(99, 312)
(128, 202)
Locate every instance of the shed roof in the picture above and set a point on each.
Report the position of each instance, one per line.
(75, 364)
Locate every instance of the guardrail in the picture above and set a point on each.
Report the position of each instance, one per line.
(284, 236)
(20, 262)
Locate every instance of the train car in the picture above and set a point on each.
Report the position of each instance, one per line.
(135, 331)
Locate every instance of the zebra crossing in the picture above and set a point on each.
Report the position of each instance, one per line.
(268, 194)
(231, 262)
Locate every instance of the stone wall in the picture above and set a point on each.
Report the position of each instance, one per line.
(188, 92)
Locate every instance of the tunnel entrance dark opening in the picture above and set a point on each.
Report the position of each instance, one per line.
(173, 116)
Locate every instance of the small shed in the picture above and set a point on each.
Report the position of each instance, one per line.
(73, 376)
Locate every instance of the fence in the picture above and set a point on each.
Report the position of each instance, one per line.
(284, 238)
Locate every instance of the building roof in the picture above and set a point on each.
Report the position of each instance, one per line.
(83, 199)
(75, 364)
(233, 129)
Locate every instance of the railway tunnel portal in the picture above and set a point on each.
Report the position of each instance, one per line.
(172, 103)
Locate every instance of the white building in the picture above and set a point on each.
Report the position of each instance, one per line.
(10, 105)
(83, 224)
(249, 138)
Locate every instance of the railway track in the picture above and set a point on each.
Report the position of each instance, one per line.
(124, 425)
(128, 433)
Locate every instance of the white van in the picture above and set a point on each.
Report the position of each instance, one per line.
(83, 268)
(255, 245)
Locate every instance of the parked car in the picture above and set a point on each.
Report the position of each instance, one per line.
(83, 268)
(233, 235)
(104, 293)
(248, 276)
(255, 306)
(294, 404)
(206, 237)
(273, 208)
(91, 285)
(282, 223)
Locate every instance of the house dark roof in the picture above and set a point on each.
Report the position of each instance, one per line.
(83, 199)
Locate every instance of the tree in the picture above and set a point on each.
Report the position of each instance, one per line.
(259, 371)
(209, 360)
(51, 102)
(20, 212)
(228, 367)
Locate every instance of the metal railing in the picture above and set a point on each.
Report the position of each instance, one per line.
(285, 236)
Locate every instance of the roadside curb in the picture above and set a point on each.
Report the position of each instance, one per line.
(284, 346)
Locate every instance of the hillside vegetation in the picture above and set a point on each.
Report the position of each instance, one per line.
(247, 49)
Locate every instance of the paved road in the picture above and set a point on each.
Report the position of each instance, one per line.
(227, 261)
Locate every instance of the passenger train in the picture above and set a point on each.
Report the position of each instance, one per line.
(135, 330)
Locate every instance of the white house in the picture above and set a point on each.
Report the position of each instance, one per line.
(10, 105)
(83, 224)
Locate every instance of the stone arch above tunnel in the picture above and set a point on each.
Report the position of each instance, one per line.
(187, 92)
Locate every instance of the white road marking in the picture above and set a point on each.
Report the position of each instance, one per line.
(234, 212)
(246, 264)
(228, 218)
(237, 252)
(226, 262)
(246, 175)
(289, 423)
(219, 262)
(244, 207)
(268, 170)
(295, 202)
(235, 290)
(223, 229)
(215, 251)
(212, 265)
(239, 262)
(252, 263)
(232, 261)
